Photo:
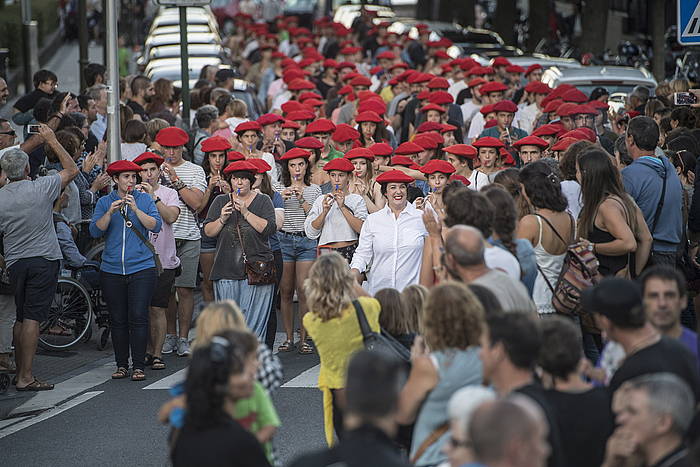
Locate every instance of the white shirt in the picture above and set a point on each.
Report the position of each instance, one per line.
(186, 227)
(572, 192)
(456, 88)
(502, 260)
(478, 180)
(393, 247)
(528, 117)
(469, 109)
(335, 227)
(476, 126)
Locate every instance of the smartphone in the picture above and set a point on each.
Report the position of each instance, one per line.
(33, 129)
(684, 98)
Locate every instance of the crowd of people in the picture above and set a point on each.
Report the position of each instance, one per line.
(439, 201)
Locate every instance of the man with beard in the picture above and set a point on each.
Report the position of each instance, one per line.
(141, 93)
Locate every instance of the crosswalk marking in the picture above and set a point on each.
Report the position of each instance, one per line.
(693, 28)
(307, 379)
(169, 381)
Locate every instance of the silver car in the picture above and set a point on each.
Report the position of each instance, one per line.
(616, 79)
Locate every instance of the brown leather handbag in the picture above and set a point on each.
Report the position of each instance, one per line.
(258, 272)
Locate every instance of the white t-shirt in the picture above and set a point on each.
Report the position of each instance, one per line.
(498, 258)
(572, 192)
(192, 175)
(478, 180)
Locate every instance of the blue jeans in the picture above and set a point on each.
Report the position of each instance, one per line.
(128, 298)
(255, 302)
(297, 248)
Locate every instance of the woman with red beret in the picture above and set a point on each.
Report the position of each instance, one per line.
(362, 179)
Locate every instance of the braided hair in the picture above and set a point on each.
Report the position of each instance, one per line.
(504, 215)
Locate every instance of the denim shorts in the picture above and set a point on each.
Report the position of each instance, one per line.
(208, 244)
(296, 248)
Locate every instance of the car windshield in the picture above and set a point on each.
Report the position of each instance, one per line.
(611, 87)
(337, 3)
(300, 4)
(461, 37)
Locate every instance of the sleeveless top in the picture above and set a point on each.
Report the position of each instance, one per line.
(608, 265)
(456, 369)
(550, 265)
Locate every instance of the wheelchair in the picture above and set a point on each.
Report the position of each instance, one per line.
(76, 303)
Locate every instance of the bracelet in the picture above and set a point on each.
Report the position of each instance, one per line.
(155, 201)
(222, 222)
(179, 185)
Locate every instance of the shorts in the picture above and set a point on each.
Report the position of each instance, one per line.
(188, 252)
(208, 243)
(34, 280)
(297, 248)
(164, 288)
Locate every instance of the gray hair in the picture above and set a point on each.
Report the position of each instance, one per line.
(95, 92)
(466, 252)
(205, 115)
(668, 395)
(14, 163)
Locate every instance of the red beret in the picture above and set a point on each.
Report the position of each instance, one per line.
(537, 87)
(447, 127)
(368, 116)
(308, 142)
(329, 63)
(585, 109)
(515, 69)
(299, 84)
(563, 144)
(419, 78)
(500, 61)
(476, 82)
(553, 105)
(291, 106)
(248, 126)
(566, 109)
(241, 166)
(460, 178)
(487, 109)
(399, 65)
(360, 81)
(493, 86)
(461, 150)
(580, 134)
(423, 95)
(394, 176)
(437, 165)
(149, 157)
(360, 153)
(386, 54)
(260, 164)
(118, 167)
(172, 136)
(404, 162)
(438, 83)
(344, 132)
(531, 141)
(295, 153)
(488, 142)
(309, 95)
(506, 157)
(342, 65)
(574, 95)
(442, 55)
(375, 105)
(505, 106)
(547, 130)
(490, 123)
(313, 102)
(269, 119)
(428, 126)
(350, 50)
(233, 156)
(633, 113)
(291, 124)
(322, 125)
(381, 149)
(408, 148)
(441, 97)
(301, 115)
(339, 163)
(427, 107)
(599, 105)
(215, 143)
(533, 67)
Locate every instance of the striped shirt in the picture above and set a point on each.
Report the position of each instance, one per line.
(192, 175)
(294, 215)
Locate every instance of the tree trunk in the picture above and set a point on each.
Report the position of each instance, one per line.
(504, 20)
(656, 27)
(424, 9)
(594, 24)
(538, 23)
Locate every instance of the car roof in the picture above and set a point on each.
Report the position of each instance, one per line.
(545, 60)
(194, 38)
(175, 28)
(193, 49)
(599, 74)
(195, 63)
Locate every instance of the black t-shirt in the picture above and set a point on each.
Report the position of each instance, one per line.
(585, 422)
(138, 109)
(676, 458)
(225, 445)
(28, 101)
(666, 356)
(536, 393)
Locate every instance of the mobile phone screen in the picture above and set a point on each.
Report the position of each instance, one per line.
(684, 98)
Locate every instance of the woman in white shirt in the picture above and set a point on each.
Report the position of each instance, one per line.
(438, 174)
(336, 218)
(391, 239)
(488, 152)
(362, 181)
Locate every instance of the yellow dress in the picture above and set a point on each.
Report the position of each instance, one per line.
(336, 340)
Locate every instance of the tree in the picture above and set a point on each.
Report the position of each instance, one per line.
(538, 22)
(594, 24)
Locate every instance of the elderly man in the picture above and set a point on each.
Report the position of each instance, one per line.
(32, 252)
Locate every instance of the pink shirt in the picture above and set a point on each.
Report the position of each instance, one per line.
(164, 241)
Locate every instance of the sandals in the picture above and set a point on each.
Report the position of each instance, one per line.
(138, 375)
(286, 346)
(148, 360)
(36, 385)
(121, 373)
(8, 367)
(157, 363)
(305, 348)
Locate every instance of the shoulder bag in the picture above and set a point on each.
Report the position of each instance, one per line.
(380, 342)
(149, 245)
(258, 272)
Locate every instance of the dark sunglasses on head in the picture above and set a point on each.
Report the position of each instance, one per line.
(11, 133)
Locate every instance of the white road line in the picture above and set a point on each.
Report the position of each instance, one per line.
(307, 379)
(27, 422)
(169, 381)
(67, 389)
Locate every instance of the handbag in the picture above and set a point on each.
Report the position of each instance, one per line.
(380, 341)
(149, 245)
(258, 272)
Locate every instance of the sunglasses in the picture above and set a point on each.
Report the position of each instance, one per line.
(11, 133)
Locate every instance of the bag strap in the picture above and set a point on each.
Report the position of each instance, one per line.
(661, 202)
(555, 230)
(136, 231)
(432, 438)
(240, 239)
(362, 319)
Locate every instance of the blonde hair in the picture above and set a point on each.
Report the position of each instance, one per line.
(663, 89)
(237, 108)
(679, 85)
(413, 298)
(329, 287)
(216, 318)
(454, 317)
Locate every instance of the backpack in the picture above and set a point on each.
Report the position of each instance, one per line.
(579, 272)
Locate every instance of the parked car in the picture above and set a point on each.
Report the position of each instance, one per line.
(546, 61)
(616, 79)
(175, 29)
(170, 68)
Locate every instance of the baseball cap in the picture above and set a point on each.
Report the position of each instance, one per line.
(615, 298)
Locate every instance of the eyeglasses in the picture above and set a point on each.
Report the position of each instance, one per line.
(455, 443)
(11, 133)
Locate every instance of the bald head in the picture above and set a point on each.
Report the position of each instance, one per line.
(4, 92)
(466, 245)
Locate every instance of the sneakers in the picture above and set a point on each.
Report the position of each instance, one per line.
(183, 347)
(170, 344)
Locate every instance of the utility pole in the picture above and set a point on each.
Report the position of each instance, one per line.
(31, 48)
(111, 34)
(185, 67)
(658, 13)
(82, 41)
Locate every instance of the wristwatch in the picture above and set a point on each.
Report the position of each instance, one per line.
(155, 201)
